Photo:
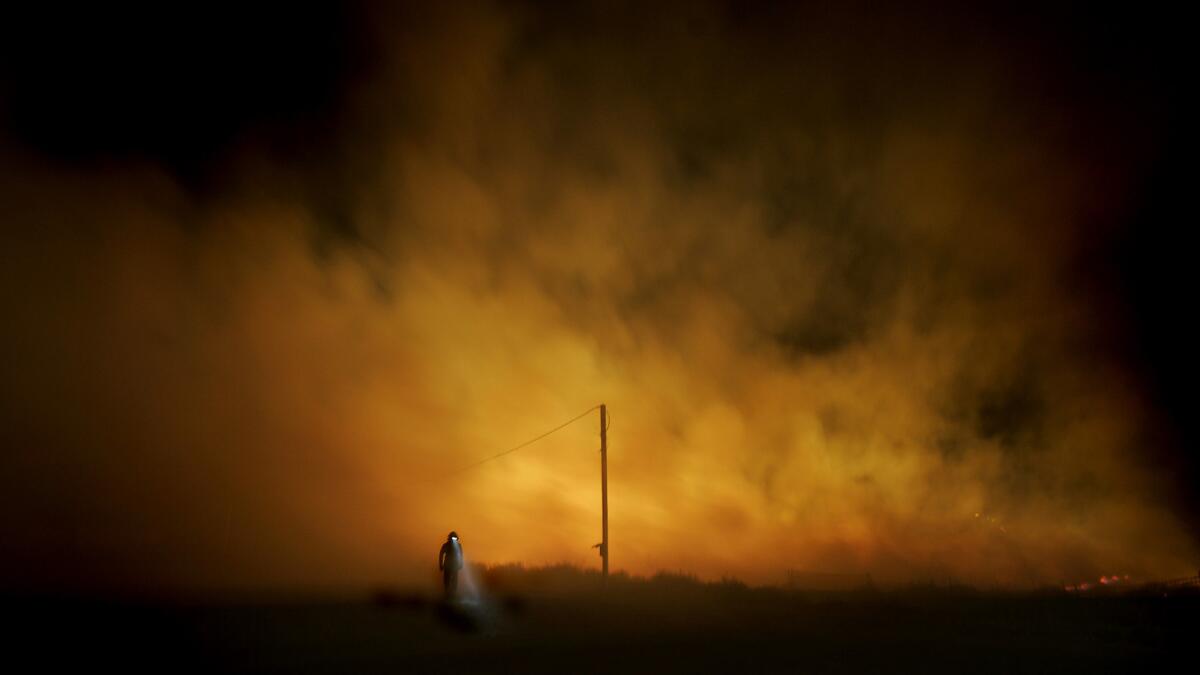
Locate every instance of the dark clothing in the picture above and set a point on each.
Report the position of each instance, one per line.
(450, 561)
(450, 556)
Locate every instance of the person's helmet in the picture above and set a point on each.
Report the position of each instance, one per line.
(452, 535)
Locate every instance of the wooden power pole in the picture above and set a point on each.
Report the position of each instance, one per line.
(604, 486)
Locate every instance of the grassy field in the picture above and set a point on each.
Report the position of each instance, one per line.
(561, 621)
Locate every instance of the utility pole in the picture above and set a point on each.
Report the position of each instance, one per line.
(604, 485)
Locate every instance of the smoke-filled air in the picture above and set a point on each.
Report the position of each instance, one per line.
(839, 292)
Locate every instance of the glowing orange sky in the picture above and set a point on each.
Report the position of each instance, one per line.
(840, 340)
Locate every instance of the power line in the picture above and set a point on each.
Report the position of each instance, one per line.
(526, 443)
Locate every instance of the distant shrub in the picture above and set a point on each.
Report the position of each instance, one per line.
(563, 578)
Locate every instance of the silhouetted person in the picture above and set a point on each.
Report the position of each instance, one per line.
(450, 561)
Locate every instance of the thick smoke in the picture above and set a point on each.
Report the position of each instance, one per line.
(825, 276)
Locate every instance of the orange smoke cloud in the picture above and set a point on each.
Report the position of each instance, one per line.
(826, 309)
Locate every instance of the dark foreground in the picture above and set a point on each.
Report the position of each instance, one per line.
(661, 626)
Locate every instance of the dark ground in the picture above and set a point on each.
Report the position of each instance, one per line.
(668, 624)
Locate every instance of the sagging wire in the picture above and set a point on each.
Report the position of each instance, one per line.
(527, 443)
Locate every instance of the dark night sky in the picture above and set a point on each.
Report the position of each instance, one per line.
(239, 161)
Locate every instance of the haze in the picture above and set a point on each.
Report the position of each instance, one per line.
(837, 284)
